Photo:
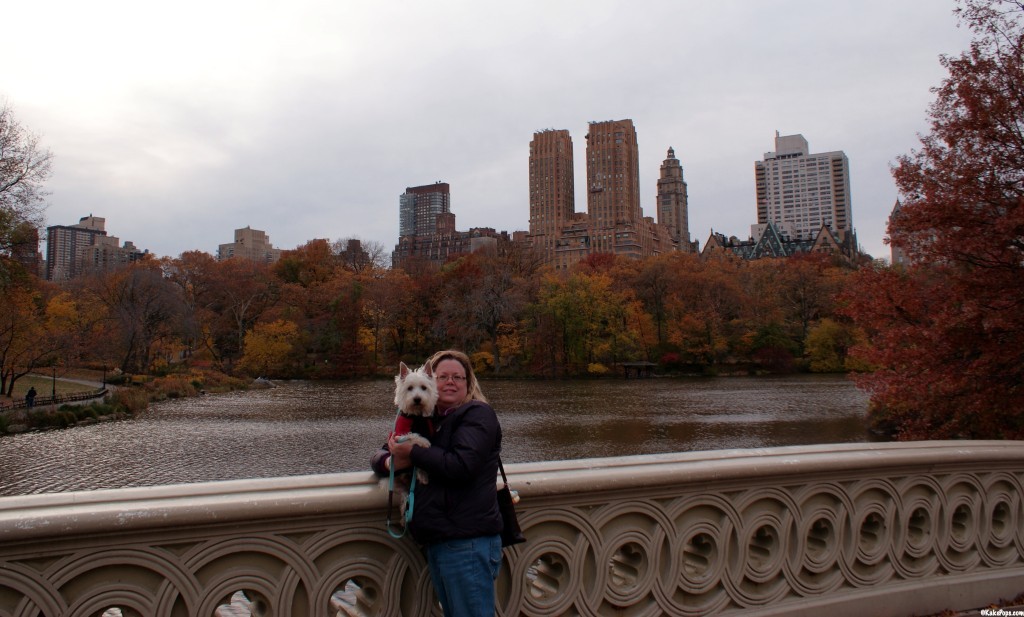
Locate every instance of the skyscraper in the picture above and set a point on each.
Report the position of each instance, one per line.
(613, 185)
(71, 250)
(419, 207)
(552, 192)
(251, 244)
(614, 221)
(427, 230)
(672, 201)
(801, 192)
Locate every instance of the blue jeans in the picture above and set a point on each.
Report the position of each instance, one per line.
(463, 572)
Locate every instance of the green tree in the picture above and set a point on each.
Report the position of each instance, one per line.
(583, 320)
(828, 346)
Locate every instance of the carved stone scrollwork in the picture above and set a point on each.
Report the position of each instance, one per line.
(881, 529)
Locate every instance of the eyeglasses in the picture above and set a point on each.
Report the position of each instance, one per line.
(451, 378)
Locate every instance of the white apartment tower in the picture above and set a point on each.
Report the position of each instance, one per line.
(801, 192)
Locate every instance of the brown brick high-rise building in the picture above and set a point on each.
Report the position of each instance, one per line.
(613, 186)
(420, 206)
(614, 221)
(72, 250)
(552, 192)
(673, 206)
(427, 232)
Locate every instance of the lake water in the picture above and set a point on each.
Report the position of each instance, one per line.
(305, 427)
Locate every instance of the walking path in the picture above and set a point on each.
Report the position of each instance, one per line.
(81, 398)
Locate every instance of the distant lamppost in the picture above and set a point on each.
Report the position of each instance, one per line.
(104, 384)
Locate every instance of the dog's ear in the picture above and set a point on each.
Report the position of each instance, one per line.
(403, 370)
(427, 371)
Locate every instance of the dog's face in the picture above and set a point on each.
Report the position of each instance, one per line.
(415, 391)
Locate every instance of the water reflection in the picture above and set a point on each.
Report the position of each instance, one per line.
(307, 428)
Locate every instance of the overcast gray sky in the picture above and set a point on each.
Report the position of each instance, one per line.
(180, 122)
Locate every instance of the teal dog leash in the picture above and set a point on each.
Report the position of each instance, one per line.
(409, 504)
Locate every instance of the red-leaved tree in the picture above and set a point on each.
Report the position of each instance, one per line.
(947, 332)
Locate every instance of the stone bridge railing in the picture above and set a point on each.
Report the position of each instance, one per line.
(856, 529)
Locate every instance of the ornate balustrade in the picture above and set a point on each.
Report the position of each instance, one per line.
(858, 529)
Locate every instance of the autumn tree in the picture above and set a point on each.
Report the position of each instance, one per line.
(947, 333)
(360, 255)
(703, 308)
(24, 168)
(325, 298)
(242, 291)
(485, 293)
(272, 349)
(86, 334)
(26, 343)
(308, 265)
(582, 321)
(389, 308)
(652, 284)
(194, 273)
(142, 308)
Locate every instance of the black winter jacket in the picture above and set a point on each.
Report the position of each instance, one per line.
(460, 499)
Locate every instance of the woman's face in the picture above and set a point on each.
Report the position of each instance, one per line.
(451, 383)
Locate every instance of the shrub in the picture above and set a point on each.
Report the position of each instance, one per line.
(215, 381)
(171, 386)
(671, 360)
(482, 361)
(130, 399)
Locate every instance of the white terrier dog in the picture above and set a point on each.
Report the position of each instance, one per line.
(415, 396)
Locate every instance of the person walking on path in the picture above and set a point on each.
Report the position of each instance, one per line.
(30, 397)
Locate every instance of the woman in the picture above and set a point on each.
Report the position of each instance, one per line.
(456, 513)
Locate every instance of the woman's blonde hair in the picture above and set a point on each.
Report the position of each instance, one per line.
(473, 391)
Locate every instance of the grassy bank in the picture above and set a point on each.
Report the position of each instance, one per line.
(130, 395)
(45, 386)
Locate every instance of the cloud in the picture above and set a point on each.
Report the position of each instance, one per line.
(180, 123)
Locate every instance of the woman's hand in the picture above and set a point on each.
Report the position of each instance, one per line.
(400, 453)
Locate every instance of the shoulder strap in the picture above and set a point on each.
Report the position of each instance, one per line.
(501, 468)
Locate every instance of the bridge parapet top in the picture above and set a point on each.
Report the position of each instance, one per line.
(893, 528)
